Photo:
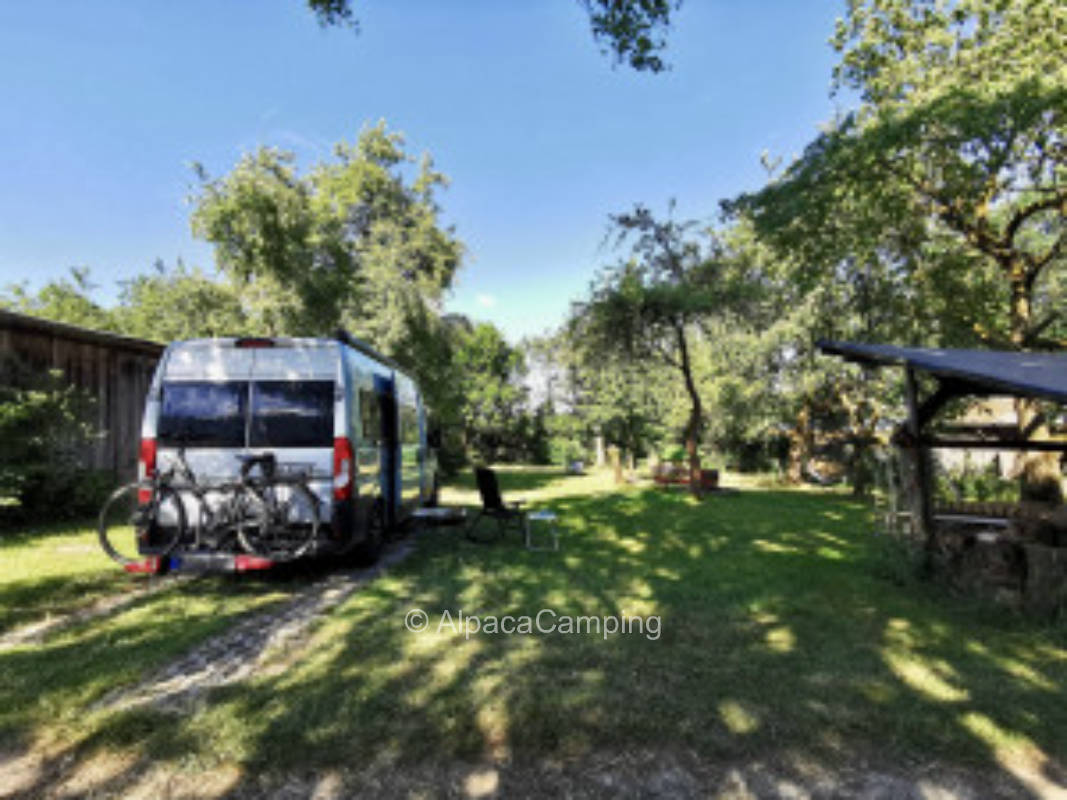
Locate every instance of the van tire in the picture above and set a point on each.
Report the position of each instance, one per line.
(369, 549)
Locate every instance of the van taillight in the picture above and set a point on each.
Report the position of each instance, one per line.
(146, 468)
(343, 468)
(254, 342)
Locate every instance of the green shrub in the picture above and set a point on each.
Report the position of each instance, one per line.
(45, 434)
(973, 483)
(565, 450)
(674, 453)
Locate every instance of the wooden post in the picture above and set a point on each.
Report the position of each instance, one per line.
(615, 457)
(922, 516)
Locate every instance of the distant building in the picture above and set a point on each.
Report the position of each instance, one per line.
(991, 412)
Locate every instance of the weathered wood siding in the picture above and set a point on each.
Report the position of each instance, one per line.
(115, 370)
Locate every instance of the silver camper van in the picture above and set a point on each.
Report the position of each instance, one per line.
(353, 420)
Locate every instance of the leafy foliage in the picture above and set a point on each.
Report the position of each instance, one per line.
(352, 243)
(648, 308)
(169, 304)
(44, 430)
(950, 157)
(946, 189)
(494, 397)
(334, 12)
(64, 300)
(632, 31)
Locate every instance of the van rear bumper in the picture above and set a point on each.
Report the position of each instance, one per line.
(200, 562)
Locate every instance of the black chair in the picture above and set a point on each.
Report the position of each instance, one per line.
(494, 507)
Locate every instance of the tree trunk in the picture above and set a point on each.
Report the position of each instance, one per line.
(692, 435)
(1038, 473)
(692, 427)
(800, 444)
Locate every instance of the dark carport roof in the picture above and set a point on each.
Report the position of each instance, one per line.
(1041, 375)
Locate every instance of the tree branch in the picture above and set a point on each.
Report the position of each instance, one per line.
(1057, 201)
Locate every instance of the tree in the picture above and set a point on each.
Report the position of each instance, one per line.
(946, 139)
(633, 31)
(171, 304)
(491, 370)
(607, 393)
(953, 166)
(64, 300)
(428, 350)
(352, 243)
(649, 306)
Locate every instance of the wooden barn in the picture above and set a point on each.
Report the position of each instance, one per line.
(115, 370)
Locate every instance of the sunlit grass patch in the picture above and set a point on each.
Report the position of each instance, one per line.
(53, 570)
(781, 629)
(50, 688)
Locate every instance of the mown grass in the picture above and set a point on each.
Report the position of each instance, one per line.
(54, 569)
(46, 690)
(785, 628)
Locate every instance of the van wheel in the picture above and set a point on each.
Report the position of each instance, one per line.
(367, 551)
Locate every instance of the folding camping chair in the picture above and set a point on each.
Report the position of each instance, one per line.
(494, 507)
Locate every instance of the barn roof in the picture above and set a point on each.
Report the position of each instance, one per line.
(11, 320)
(1038, 375)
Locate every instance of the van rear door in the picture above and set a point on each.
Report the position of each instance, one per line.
(295, 399)
(204, 408)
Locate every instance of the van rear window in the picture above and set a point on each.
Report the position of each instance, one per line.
(292, 414)
(202, 414)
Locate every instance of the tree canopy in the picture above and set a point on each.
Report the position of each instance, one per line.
(948, 150)
(631, 31)
(354, 242)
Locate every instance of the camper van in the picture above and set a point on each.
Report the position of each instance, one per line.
(352, 420)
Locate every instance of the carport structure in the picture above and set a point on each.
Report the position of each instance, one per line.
(960, 373)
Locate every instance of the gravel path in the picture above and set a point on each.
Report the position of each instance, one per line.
(236, 654)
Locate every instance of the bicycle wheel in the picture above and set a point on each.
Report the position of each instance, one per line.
(130, 531)
(280, 521)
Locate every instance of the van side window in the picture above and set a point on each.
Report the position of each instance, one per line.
(370, 417)
(409, 425)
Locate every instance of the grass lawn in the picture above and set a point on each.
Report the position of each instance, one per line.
(787, 630)
(53, 569)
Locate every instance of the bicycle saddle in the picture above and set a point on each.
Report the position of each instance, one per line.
(265, 460)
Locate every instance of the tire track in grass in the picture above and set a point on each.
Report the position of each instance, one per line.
(237, 653)
(37, 632)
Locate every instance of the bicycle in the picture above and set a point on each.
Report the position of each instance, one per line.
(142, 519)
(284, 519)
(150, 518)
(222, 508)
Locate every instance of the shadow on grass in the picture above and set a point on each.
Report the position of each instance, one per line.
(32, 599)
(782, 631)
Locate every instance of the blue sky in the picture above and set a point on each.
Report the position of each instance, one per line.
(105, 105)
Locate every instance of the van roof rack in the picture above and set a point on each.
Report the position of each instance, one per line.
(344, 337)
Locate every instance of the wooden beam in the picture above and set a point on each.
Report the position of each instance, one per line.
(992, 444)
(947, 390)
